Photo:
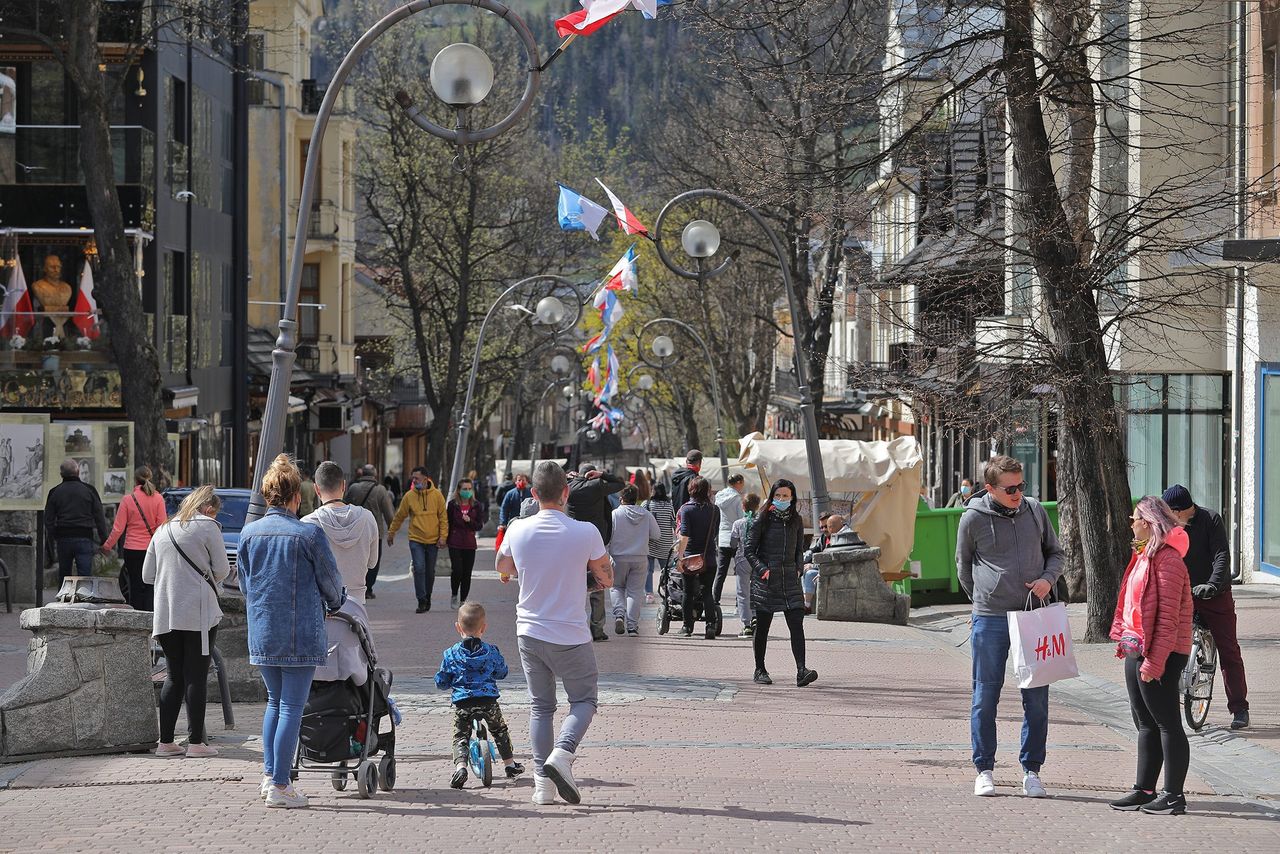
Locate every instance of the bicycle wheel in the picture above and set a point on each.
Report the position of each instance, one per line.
(1198, 695)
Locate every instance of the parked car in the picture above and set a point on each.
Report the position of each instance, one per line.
(235, 508)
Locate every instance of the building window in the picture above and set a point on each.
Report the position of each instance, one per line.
(1270, 46)
(308, 302)
(1177, 430)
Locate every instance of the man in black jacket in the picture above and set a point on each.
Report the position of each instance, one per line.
(1208, 563)
(681, 477)
(71, 512)
(589, 492)
(368, 493)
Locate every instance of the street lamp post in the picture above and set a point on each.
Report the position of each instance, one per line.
(461, 80)
(561, 364)
(664, 348)
(640, 388)
(700, 240)
(646, 382)
(551, 312)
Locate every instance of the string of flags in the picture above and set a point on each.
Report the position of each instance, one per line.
(578, 213)
(605, 371)
(594, 14)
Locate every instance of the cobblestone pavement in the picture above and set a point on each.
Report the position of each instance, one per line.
(687, 754)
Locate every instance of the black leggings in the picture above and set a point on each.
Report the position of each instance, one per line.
(462, 561)
(795, 625)
(1158, 716)
(140, 593)
(188, 673)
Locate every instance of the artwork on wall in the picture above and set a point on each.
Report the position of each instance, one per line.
(22, 461)
(102, 451)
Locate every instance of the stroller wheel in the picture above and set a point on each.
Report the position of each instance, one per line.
(387, 773)
(367, 779)
(339, 778)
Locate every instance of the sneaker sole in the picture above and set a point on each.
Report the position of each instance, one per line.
(567, 790)
(1027, 794)
(1171, 811)
(619, 627)
(990, 794)
(1133, 808)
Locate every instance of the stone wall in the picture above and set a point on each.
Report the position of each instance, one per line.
(851, 589)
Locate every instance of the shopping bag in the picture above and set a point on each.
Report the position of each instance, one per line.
(1040, 640)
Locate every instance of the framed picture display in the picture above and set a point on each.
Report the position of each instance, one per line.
(22, 460)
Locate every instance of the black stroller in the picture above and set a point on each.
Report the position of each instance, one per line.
(671, 598)
(342, 726)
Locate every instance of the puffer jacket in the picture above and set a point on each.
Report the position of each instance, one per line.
(471, 668)
(777, 548)
(1167, 607)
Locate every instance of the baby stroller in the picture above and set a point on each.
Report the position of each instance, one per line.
(342, 723)
(671, 598)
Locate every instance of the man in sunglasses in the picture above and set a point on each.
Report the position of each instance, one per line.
(1007, 554)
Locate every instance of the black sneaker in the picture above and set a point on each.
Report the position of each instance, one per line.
(1166, 804)
(368, 594)
(459, 777)
(685, 633)
(1132, 801)
(619, 626)
(805, 677)
(633, 633)
(422, 607)
(762, 677)
(1240, 720)
(600, 637)
(515, 769)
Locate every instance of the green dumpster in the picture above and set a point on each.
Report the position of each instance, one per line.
(933, 558)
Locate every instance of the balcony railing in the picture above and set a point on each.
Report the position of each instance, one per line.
(50, 154)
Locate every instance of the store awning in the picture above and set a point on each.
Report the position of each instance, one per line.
(296, 405)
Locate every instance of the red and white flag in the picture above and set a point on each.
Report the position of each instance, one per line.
(596, 13)
(627, 221)
(85, 308)
(17, 317)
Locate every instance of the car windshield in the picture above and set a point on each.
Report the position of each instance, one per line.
(233, 512)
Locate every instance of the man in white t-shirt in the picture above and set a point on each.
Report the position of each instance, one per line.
(551, 554)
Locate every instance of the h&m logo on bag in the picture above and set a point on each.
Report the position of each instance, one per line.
(1051, 646)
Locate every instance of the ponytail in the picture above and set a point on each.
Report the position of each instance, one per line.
(142, 479)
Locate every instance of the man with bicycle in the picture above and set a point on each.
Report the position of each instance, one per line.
(1209, 565)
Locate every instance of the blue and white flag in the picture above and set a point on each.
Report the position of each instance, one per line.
(578, 213)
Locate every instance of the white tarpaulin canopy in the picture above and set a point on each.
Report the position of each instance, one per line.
(524, 467)
(664, 468)
(875, 484)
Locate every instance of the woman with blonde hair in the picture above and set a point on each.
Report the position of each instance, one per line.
(139, 515)
(289, 579)
(186, 561)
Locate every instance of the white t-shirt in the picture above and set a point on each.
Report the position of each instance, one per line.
(551, 552)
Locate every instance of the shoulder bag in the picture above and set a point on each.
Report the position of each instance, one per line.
(143, 516)
(200, 572)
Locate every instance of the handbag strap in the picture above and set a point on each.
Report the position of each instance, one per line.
(136, 503)
(191, 563)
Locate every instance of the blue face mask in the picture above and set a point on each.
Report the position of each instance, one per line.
(965, 490)
(781, 505)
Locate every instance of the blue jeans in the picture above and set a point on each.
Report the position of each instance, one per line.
(989, 639)
(648, 579)
(287, 690)
(77, 551)
(424, 569)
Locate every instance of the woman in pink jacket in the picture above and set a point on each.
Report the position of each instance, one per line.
(1152, 628)
(140, 513)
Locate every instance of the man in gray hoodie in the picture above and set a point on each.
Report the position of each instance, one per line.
(1008, 557)
(633, 528)
(352, 531)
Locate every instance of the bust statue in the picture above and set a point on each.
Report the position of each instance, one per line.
(53, 293)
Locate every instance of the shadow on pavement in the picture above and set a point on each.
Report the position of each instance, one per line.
(1197, 808)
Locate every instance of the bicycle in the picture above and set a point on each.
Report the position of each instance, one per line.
(481, 751)
(1197, 676)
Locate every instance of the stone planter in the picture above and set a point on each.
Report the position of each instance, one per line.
(90, 591)
(851, 589)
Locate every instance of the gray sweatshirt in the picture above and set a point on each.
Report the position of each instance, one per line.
(998, 554)
(353, 536)
(633, 528)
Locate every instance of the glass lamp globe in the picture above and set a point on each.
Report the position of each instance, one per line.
(461, 75)
(568, 392)
(700, 239)
(560, 364)
(663, 346)
(550, 311)
(645, 382)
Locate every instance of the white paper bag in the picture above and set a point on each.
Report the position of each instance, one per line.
(1040, 641)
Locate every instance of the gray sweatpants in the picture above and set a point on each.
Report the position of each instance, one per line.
(629, 572)
(575, 666)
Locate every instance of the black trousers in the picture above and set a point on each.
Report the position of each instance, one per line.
(463, 562)
(188, 673)
(699, 587)
(490, 711)
(724, 568)
(371, 575)
(140, 594)
(1158, 717)
(795, 625)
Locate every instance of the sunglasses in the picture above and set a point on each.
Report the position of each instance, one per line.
(1015, 489)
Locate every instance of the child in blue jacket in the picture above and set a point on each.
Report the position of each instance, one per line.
(471, 669)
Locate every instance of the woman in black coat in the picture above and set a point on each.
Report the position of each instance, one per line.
(774, 549)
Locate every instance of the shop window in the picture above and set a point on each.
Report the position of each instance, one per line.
(1176, 432)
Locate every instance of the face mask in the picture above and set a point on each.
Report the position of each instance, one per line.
(465, 493)
(779, 504)
(420, 486)
(965, 490)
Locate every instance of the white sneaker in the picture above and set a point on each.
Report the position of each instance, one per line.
(265, 788)
(984, 786)
(544, 791)
(454, 604)
(288, 798)
(1032, 787)
(559, 767)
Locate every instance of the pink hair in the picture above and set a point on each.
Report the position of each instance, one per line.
(1157, 514)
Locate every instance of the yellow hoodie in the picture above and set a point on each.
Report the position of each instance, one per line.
(429, 523)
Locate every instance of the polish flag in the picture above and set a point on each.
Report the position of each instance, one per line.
(623, 275)
(627, 221)
(596, 13)
(85, 307)
(17, 317)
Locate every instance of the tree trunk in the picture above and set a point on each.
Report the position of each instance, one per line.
(116, 283)
(1068, 523)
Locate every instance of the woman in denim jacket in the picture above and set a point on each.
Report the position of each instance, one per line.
(289, 580)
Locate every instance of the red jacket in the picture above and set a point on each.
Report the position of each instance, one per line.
(1166, 604)
(130, 523)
